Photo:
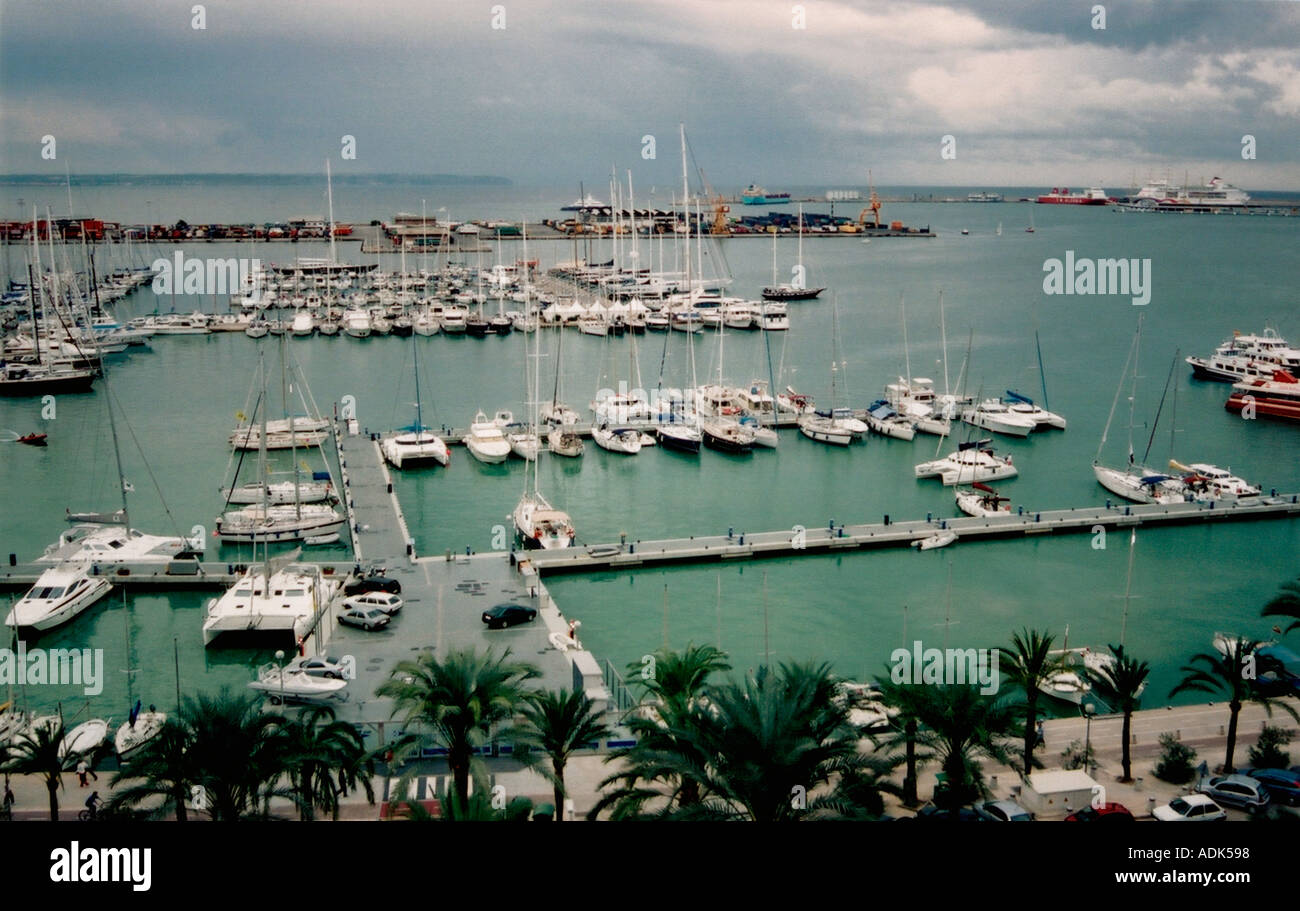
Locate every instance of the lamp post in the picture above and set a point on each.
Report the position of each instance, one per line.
(1088, 711)
(279, 657)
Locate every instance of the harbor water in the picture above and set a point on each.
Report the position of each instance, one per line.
(1209, 276)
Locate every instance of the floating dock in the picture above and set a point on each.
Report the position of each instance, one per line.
(800, 541)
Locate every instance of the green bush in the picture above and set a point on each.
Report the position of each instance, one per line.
(1072, 757)
(1268, 752)
(1175, 765)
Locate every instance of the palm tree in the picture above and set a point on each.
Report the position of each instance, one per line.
(238, 754)
(37, 750)
(1232, 674)
(1120, 682)
(163, 767)
(902, 696)
(1287, 604)
(673, 685)
(458, 701)
(316, 747)
(959, 726)
(776, 746)
(1027, 664)
(558, 724)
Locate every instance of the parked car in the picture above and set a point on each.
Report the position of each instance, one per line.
(372, 583)
(931, 813)
(1192, 808)
(1108, 812)
(1003, 811)
(504, 615)
(367, 618)
(384, 601)
(1235, 791)
(1282, 785)
(318, 666)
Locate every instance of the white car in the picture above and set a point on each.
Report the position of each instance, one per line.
(1190, 808)
(319, 666)
(384, 601)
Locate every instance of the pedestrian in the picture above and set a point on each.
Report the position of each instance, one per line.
(8, 798)
(81, 773)
(1042, 738)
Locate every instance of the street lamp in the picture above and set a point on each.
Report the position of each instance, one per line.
(1088, 711)
(279, 657)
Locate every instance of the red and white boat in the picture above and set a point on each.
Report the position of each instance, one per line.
(1278, 397)
(1093, 196)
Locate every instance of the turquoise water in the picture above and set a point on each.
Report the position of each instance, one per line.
(1211, 275)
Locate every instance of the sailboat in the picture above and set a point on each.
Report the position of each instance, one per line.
(264, 522)
(679, 424)
(417, 445)
(140, 727)
(539, 525)
(561, 439)
(790, 292)
(1136, 483)
(826, 428)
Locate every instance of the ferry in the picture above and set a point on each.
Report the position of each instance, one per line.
(984, 197)
(1218, 192)
(1093, 196)
(1278, 397)
(1247, 357)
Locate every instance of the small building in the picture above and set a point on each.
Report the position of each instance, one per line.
(1056, 793)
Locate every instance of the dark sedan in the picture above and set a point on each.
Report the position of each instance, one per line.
(367, 584)
(1281, 784)
(504, 615)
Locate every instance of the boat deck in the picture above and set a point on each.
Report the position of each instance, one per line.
(797, 541)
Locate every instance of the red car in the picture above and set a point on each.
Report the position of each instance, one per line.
(1109, 812)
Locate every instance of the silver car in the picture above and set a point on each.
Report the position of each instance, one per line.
(1235, 791)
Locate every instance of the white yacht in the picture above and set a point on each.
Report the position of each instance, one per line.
(981, 501)
(540, 525)
(627, 442)
(1140, 485)
(280, 493)
(131, 737)
(281, 606)
(1212, 482)
(973, 461)
(993, 414)
(485, 441)
(824, 430)
(564, 442)
(416, 446)
(356, 323)
(303, 324)
(289, 522)
(60, 594)
(884, 420)
(454, 319)
(109, 546)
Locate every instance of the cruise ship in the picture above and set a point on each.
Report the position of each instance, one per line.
(1217, 194)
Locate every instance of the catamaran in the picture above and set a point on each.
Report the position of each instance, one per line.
(416, 444)
(973, 461)
(278, 601)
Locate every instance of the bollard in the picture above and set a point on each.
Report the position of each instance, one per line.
(1137, 783)
(1038, 517)
(742, 540)
(448, 554)
(1020, 510)
(390, 486)
(467, 550)
(632, 549)
(13, 559)
(410, 549)
(886, 518)
(841, 532)
(929, 516)
(1151, 806)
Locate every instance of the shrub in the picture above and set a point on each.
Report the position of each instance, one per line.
(1175, 765)
(1268, 752)
(1072, 757)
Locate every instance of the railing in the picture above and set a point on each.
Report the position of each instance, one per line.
(620, 694)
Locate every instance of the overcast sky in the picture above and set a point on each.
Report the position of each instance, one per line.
(1031, 92)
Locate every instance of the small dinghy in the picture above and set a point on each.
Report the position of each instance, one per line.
(33, 439)
(941, 539)
(288, 685)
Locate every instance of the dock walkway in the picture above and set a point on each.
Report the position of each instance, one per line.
(797, 540)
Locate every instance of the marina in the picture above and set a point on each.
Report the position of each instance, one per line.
(647, 414)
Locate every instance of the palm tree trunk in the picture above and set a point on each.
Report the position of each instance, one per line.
(458, 760)
(1235, 707)
(52, 786)
(178, 798)
(558, 768)
(1125, 759)
(1031, 729)
(909, 780)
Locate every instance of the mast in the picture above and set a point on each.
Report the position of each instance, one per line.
(907, 355)
(329, 184)
(1128, 585)
(943, 341)
(1042, 376)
